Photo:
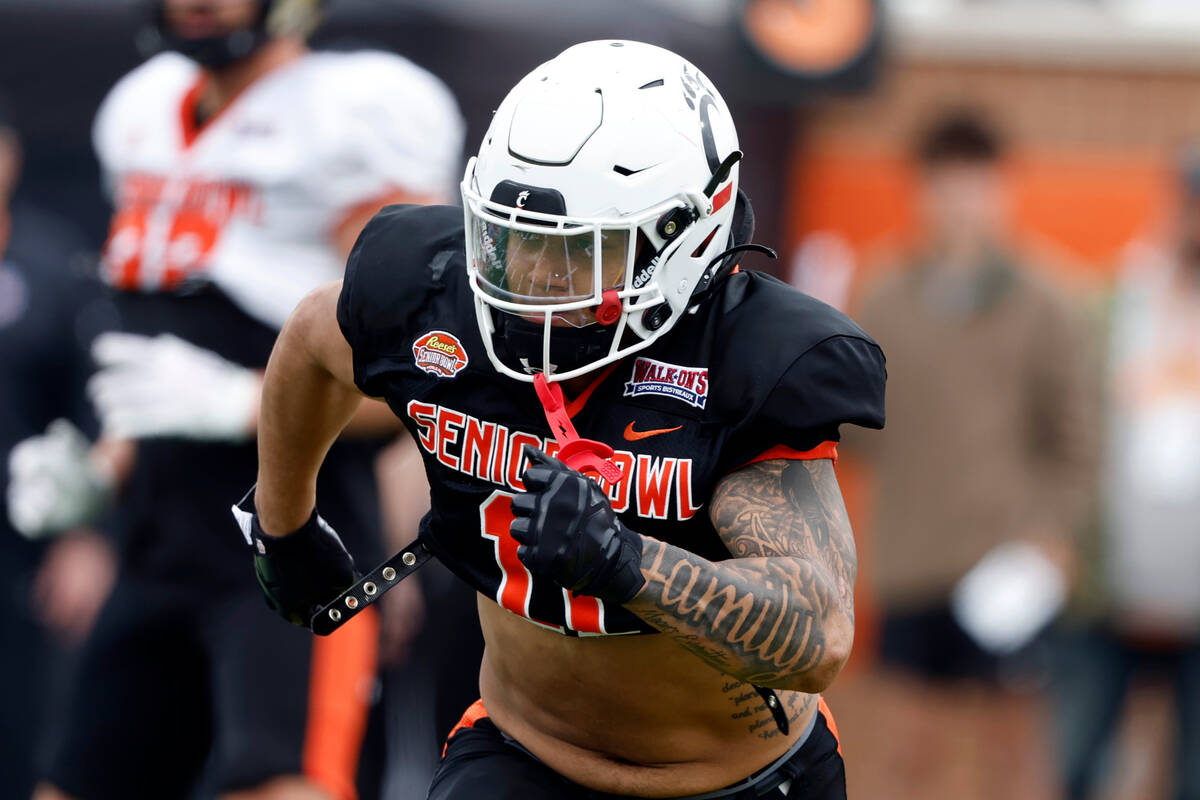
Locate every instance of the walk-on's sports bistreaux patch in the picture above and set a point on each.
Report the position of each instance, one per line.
(440, 353)
(689, 384)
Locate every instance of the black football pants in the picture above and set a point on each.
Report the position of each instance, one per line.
(481, 764)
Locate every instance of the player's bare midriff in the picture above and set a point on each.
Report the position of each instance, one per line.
(634, 715)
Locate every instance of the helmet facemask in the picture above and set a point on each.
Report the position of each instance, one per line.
(558, 294)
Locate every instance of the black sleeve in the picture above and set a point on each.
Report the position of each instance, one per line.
(92, 313)
(838, 380)
(398, 264)
(59, 268)
(360, 317)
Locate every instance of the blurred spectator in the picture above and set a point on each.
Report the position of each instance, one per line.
(48, 308)
(823, 267)
(982, 475)
(242, 168)
(1145, 607)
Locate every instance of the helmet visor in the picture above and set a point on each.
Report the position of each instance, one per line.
(539, 266)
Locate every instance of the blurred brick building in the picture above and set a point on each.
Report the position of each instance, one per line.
(1096, 109)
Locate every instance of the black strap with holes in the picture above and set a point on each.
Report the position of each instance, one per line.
(370, 588)
(774, 706)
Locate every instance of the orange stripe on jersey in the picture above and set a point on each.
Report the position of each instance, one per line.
(473, 714)
(823, 450)
(187, 112)
(352, 220)
(829, 721)
(576, 405)
(189, 130)
(583, 612)
(340, 683)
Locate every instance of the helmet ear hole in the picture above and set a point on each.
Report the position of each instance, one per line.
(703, 246)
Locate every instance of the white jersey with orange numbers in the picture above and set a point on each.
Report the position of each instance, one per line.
(250, 202)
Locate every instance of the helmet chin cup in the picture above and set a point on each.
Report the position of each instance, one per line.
(518, 342)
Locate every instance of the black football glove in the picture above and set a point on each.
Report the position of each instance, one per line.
(568, 530)
(300, 572)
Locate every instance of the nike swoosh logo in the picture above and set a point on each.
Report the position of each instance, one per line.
(626, 171)
(632, 436)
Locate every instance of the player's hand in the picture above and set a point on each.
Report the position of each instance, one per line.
(53, 482)
(568, 530)
(163, 386)
(300, 572)
(72, 583)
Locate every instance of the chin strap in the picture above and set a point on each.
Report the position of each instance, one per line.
(716, 268)
(774, 706)
(369, 588)
(581, 455)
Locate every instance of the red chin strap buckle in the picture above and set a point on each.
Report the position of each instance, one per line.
(610, 308)
(581, 455)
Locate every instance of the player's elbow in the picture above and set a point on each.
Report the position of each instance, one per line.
(311, 316)
(839, 638)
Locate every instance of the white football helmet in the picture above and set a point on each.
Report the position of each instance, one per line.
(601, 194)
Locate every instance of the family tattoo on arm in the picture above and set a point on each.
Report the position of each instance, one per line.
(763, 616)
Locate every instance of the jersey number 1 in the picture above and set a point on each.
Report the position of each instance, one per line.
(580, 613)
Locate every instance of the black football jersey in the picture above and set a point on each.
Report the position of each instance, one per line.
(759, 366)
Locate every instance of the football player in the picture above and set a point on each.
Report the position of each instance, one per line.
(664, 600)
(47, 306)
(242, 167)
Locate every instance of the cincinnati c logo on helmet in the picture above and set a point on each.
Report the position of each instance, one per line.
(698, 96)
(522, 198)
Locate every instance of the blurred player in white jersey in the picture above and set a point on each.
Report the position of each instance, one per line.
(242, 167)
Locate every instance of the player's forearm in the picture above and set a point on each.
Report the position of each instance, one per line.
(117, 458)
(775, 621)
(304, 408)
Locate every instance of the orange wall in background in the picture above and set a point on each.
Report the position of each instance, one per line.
(1089, 206)
(1092, 205)
(865, 198)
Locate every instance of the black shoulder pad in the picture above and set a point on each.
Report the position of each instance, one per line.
(404, 257)
(791, 369)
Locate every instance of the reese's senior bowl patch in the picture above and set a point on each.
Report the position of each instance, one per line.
(440, 353)
(689, 384)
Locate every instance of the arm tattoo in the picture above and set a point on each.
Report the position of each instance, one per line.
(764, 616)
(789, 508)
